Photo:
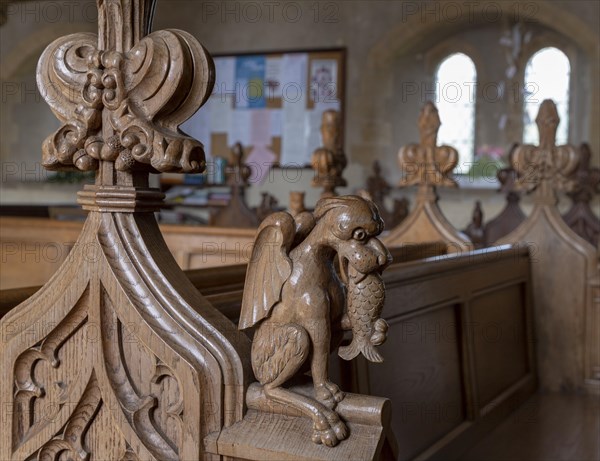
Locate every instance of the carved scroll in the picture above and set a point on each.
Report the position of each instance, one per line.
(563, 263)
(427, 166)
(118, 356)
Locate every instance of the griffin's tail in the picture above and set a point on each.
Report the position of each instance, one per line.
(356, 347)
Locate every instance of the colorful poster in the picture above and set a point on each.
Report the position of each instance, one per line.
(250, 76)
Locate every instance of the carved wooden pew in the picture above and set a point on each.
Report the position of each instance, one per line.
(32, 249)
(427, 166)
(165, 375)
(223, 285)
(566, 265)
(459, 325)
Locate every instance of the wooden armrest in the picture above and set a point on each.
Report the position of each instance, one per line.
(275, 432)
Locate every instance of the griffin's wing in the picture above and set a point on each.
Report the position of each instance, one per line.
(268, 269)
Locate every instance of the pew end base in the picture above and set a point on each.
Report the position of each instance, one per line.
(271, 431)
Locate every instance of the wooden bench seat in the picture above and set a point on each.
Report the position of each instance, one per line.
(459, 356)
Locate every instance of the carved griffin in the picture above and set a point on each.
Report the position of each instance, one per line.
(300, 306)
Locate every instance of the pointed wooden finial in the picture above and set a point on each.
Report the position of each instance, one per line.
(329, 161)
(426, 164)
(545, 168)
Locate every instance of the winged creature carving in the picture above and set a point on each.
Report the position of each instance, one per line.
(298, 303)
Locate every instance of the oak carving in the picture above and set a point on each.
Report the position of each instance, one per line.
(564, 263)
(299, 306)
(580, 216)
(427, 166)
(512, 215)
(237, 213)
(118, 356)
(378, 188)
(329, 161)
(475, 228)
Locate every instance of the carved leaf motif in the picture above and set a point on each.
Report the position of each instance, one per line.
(71, 440)
(149, 90)
(140, 408)
(27, 388)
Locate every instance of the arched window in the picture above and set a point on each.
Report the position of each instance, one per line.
(547, 76)
(455, 86)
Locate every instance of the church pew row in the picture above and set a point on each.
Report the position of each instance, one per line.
(459, 355)
(226, 283)
(32, 249)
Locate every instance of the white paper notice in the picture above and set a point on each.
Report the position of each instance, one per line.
(225, 75)
(273, 76)
(276, 122)
(294, 134)
(221, 113)
(240, 127)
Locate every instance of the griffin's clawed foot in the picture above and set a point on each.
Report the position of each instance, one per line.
(328, 394)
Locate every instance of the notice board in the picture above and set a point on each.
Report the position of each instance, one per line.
(272, 103)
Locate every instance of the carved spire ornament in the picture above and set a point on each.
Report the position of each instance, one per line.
(427, 165)
(237, 213)
(118, 356)
(329, 161)
(564, 263)
(545, 169)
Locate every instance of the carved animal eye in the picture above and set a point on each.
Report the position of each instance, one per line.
(359, 234)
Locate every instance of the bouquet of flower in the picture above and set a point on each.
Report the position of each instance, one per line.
(488, 160)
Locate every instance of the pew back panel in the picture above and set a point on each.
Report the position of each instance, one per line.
(459, 353)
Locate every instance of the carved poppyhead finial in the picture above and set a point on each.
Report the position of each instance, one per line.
(331, 129)
(239, 172)
(427, 164)
(429, 124)
(545, 168)
(547, 121)
(121, 96)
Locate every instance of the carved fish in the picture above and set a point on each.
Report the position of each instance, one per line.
(366, 296)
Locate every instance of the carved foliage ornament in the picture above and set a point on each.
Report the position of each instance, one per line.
(426, 163)
(144, 93)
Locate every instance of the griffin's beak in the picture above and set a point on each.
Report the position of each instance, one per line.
(384, 258)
